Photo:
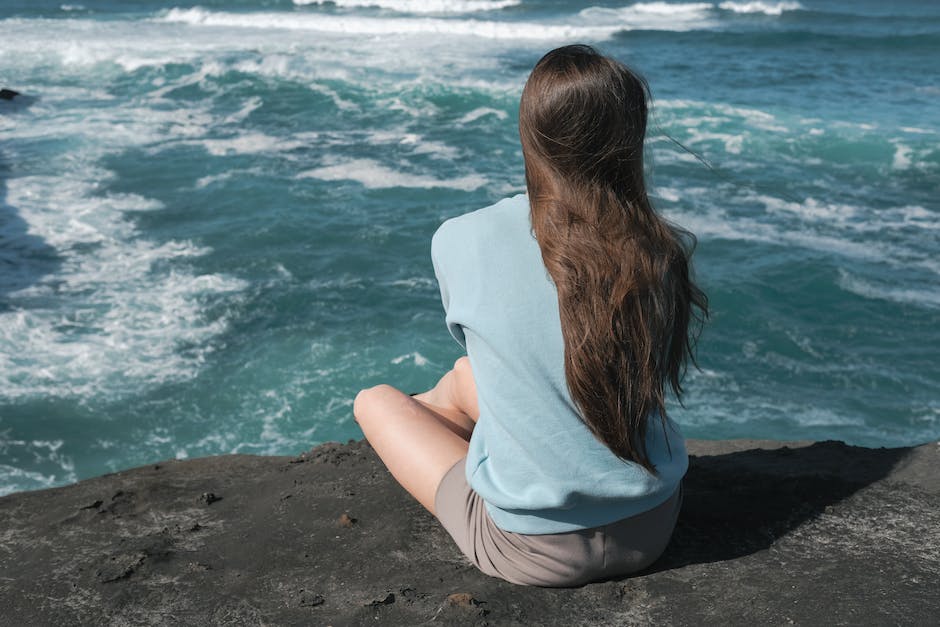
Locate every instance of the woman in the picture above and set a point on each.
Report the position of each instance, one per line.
(547, 453)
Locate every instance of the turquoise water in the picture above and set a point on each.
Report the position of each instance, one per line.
(215, 220)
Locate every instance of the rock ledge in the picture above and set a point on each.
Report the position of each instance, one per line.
(770, 533)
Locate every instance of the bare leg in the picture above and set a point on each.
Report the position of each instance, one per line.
(454, 398)
(412, 440)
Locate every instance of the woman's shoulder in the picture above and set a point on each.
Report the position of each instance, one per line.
(491, 219)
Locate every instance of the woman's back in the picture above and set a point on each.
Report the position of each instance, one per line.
(537, 466)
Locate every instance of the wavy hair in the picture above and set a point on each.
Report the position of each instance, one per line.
(622, 272)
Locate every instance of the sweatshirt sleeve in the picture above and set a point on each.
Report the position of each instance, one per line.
(444, 252)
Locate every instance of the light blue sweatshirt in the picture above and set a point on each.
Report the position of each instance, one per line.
(535, 464)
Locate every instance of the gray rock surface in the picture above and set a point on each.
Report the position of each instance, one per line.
(805, 533)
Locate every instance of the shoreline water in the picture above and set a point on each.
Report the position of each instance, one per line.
(701, 447)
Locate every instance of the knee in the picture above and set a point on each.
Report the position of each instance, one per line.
(462, 367)
(463, 374)
(367, 398)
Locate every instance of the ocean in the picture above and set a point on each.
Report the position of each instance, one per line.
(215, 218)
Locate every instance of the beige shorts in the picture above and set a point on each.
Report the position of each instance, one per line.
(554, 560)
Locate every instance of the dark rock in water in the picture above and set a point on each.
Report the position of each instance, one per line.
(808, 533)
(14, 101)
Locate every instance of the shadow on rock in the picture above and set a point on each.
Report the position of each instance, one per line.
(736, 504)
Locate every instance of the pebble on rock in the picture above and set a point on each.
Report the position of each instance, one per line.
(208, 498)
(461, 599)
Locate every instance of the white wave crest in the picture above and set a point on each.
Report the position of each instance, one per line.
(851, 218)
(249, 143)
(653, 16)
(420, 6)
(670, 8)
(347, 25)
(374, 175)
(705, 112)
(46, 455)
(902, 157)
(480, 112)
(906, 296)
(719, 225)
(767, 8)
(416, 358)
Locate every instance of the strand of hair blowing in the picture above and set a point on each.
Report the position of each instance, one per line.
(625, 293)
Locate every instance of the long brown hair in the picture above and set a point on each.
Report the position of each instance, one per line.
(625, 291)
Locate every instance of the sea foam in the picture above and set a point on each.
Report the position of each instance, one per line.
(118, 312)
(653, 16)
(374, 175)
(420, 6)
(356, 25)
(867, 289)
(767, 8)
